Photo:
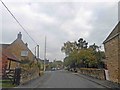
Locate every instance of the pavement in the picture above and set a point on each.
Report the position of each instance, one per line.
(104, 83)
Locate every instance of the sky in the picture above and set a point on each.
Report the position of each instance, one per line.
(60, 21)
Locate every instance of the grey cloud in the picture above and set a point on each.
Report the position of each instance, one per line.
(57, 22)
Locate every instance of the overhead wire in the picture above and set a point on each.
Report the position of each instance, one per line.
(18, 22)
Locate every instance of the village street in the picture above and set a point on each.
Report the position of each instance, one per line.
(60, 44)
(61, 79)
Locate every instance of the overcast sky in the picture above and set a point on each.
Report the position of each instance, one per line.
(59, 21)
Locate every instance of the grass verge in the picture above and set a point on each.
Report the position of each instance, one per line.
(6, 84)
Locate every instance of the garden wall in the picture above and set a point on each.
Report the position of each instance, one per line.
(96, 73)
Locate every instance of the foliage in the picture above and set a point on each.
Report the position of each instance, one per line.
(87, 58)
(82, 44)
(56, 64)
(79, 55)
(69, 47)
(25, 61)
(6, 84)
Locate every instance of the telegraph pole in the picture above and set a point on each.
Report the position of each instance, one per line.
(45, 55)
(37, 51)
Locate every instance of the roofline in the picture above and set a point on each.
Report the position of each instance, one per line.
(14, 60)
(106, 40)
(23, 43)
(110, 38)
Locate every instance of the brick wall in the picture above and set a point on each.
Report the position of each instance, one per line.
(111, 48)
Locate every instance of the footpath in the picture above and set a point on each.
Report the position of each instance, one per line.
(104, 83)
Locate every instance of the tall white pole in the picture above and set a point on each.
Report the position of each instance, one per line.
(37, 51)
(45, 55)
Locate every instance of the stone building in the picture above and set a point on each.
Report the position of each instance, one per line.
(5, 59)
(20, 56)
(112, 52)
(20, 50)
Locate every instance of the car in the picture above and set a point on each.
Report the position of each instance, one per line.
(53, 69)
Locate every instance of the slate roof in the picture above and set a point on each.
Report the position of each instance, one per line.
(114, 33)
(4, 46)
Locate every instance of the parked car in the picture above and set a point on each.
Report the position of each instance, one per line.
(53, 69)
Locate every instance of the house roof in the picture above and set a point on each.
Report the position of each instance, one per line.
(114, 33)
(20, 41)
(9, 55)
(4, 45)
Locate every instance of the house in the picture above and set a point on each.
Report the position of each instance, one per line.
(6, 57)
(17, 54)
(112, 52)
(20, 50)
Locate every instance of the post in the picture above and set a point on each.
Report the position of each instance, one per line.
(37, 51)
(45, 55)
(17, 76)
(9, 64)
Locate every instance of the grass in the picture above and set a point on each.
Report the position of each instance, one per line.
(6, 84)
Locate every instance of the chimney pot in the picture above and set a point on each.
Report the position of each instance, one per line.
(19, 36)
(26, 44)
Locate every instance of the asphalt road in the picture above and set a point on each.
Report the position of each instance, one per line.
(63, 79)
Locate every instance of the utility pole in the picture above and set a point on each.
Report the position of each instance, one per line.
(45, 55)
(37, 51)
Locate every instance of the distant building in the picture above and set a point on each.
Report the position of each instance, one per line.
(112, 52)
(46, 61)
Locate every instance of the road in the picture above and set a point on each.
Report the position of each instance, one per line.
(63, 79)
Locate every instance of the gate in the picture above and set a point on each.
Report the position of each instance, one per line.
(14, 75)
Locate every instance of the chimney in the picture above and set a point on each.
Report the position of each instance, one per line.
(19, 36)
(26, 44)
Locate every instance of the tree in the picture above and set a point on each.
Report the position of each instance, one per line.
(78, 54)
(82, 44)
(86, 58)
(94, 47)
(100, 55)
(68, 47)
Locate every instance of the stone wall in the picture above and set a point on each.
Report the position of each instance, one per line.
(111, 51)
(119, 59)
(29, 73)
(96, 73)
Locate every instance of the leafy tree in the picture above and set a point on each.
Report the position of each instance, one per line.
(87, 58)
(69, 47)
(100, 55)
(78, 54)
(82, 44)
(94, 47)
